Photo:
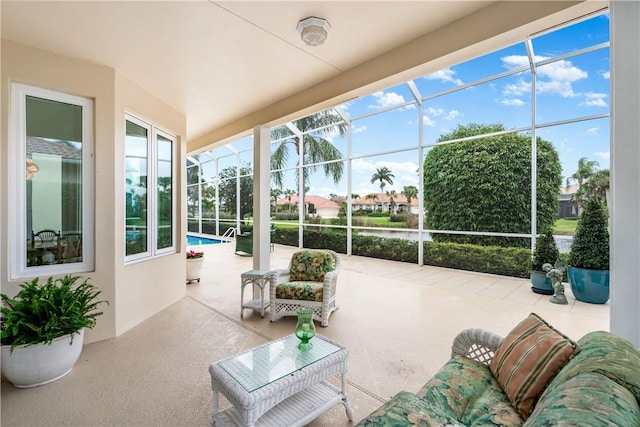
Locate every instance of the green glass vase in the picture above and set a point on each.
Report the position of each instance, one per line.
(305, 329)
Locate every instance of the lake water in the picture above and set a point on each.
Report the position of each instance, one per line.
(562, 242)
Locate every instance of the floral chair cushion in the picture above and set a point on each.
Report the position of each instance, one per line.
(311, 265)
(307, 291)
(468, 391)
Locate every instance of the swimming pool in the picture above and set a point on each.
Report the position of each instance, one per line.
(197, 240)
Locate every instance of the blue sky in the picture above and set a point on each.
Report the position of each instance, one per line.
(567, 89)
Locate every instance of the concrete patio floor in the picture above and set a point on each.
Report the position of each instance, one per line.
(397, 320)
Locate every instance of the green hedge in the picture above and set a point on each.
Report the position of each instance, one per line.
(515, 262)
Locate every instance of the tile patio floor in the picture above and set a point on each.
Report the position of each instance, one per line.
(397, 320)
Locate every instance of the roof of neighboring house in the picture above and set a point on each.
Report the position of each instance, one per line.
(384, 198)
(569, 189)
(44, 146)
(318, 201)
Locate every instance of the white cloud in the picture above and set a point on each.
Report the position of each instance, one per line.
(557, 77)
(593, 131)
(439, 112)
(435, 112)
(564, 89)
(517, 89)
(358, 129)
(453, 114)
(446, 75)
(594, 100)
(427, 121)
(603, 154)
(515, 61)
(512, 102)
(605, 74)
(388, 99)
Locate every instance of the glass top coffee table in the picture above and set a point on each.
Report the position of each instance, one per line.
(276, 384)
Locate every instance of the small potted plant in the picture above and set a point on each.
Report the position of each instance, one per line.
(588, 269)
(546, 251)
(42, 329)
(194, 265)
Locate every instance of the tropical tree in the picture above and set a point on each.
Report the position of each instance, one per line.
(275, 195)
(384, 176)
(410, 192)
(586, 168)
(371, 196)
(227, 190)
(483, 184)
(392, 200)
(193, 177)
(597, 185)
(288, 193)
(316, 147)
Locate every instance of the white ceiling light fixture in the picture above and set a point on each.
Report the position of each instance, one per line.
(313, 31)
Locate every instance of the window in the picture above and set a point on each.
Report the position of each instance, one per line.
(149, 211)
(52, 185)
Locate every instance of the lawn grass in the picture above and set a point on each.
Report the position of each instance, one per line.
(561, 226)
(565, 226)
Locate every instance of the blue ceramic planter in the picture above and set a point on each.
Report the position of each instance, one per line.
(541, 284)
(590, 286)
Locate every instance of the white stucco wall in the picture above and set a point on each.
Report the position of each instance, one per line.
(135, 291)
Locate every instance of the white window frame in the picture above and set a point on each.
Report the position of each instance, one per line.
(17, 232)
(152, 212)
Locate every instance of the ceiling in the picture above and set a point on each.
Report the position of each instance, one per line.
(218, 61)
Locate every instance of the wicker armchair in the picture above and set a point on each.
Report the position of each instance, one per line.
(310, 281)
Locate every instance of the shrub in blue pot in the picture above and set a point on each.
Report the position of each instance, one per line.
(546, 251)
(588, 270)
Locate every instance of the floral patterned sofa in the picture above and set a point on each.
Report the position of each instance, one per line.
(533, 377)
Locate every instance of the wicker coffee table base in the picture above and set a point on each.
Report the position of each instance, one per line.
(293, 400)
(297, 410)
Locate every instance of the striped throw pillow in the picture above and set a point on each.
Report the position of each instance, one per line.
(528, 359)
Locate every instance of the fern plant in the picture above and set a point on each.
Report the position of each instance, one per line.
(40, 313)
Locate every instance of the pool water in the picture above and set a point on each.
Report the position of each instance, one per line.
(197, 240)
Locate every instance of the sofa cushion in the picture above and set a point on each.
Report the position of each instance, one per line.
(407, 409)
(587, 400)
(528, 359)
(469, 393)
(311, 265)
(307, 291)
(606, 354)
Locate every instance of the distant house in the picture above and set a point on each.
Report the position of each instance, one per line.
(382, 202)
(568, 208)
(324, 208)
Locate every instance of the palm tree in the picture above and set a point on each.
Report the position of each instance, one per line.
(586, 168)
(288, 193)
(410, 192)
(372, 196)
(597, 185)
(383, 175)
(392, 200)
(275, 195)
(316, 148)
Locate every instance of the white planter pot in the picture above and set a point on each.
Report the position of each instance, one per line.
(38, 364)
(194, 266)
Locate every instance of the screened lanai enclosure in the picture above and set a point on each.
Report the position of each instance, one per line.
(477, 158)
